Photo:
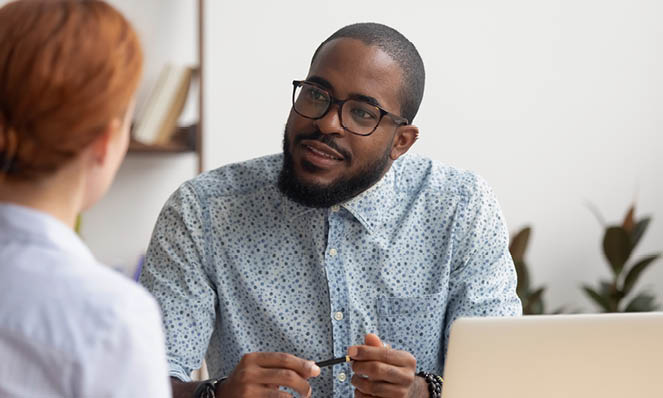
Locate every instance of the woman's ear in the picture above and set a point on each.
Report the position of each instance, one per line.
(403, 139)
(101, 144)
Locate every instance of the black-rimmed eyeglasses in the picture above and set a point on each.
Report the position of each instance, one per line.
(357, 116)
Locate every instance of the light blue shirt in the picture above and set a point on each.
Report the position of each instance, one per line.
(69, 326)
(237, 267)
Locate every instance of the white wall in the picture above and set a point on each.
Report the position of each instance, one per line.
(556, 103)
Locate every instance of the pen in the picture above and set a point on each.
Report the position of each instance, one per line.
(334, 361)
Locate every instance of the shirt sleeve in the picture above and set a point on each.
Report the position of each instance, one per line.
(483, 278)
(174, 273)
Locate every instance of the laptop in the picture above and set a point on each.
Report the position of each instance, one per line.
(556, 356)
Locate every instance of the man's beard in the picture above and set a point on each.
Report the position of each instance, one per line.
(340, 190)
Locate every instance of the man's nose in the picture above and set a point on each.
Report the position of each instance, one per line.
(330, 123)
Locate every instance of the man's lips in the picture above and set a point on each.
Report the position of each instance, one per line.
(321, 149)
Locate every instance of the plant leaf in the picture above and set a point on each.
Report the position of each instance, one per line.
(598, 299)
(611, 294)
(643, 302)
(523, 278)
(519, 244)
(635, 271)
(638, 231)
(534, 302)
(536, 308)
(607, 289)
(628, 223)
(617, 248)
(79, 222)
(537, 294)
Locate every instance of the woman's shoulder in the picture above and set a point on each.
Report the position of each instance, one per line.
(71, 308)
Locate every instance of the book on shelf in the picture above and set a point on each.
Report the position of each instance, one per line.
(158, 121)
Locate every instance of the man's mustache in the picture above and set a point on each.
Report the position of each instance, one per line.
(325, 139)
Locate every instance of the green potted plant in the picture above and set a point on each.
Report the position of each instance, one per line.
(619, 243)
(530, 297)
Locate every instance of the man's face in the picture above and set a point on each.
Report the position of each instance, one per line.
(323, 163)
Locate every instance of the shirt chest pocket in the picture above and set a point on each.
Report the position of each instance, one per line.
(413, 324)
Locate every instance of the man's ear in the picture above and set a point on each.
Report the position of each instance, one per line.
(99, 147)
(403, 139)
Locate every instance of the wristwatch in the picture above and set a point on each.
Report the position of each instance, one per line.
(207, 388)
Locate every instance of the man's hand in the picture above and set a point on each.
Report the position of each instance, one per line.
(260, 374)
(381, 371)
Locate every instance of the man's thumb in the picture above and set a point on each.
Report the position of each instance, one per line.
(372, 340)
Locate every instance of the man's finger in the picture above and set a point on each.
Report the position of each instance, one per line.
(380, 371)
(303, 367)
(277, 394)
(373, 340)
(285, 378)
(382, 354)
(377, 388)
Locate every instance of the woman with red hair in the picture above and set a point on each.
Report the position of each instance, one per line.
(69, 327)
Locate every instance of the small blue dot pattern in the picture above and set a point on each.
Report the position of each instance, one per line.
(237, 267)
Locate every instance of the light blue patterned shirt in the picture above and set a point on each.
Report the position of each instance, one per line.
(237, 267)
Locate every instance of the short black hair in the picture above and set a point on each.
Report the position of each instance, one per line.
(400, 49)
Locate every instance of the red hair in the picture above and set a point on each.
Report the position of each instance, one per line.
(67, 68)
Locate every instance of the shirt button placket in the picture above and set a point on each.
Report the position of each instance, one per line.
(338, 298)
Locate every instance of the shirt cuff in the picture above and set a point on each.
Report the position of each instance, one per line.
(177, 372)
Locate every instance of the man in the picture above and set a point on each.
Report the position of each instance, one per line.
(341, 245)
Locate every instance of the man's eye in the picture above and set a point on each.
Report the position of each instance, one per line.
(360, 113)
(316, 95)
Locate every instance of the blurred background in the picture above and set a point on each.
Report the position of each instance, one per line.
(558, 104)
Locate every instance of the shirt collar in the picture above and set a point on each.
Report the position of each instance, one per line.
(292, 209)
(37, 227)
(370, 207)
(374, 205)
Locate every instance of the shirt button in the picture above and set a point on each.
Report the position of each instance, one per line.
(338, 316)
(335, 208)
(341, 377)
(332, 252)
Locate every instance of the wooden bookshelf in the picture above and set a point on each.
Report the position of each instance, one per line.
(190, 138)
(185, 139)
(139, 147)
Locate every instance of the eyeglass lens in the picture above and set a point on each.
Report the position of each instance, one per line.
(357, 116)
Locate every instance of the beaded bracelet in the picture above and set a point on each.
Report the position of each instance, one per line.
(434, 384)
